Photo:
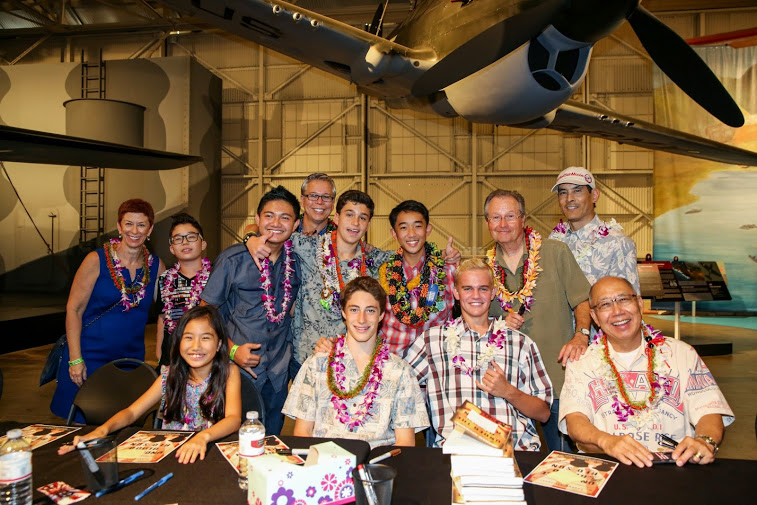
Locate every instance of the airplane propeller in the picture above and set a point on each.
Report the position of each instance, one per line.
(684, 67)
(668, 50)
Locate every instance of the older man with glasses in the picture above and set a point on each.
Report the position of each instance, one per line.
(318, 193)
(635, 392)
(317, 196)
(539, 287)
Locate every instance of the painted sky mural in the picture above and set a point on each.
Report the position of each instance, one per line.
(707, 211)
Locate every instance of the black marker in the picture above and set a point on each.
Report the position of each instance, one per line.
(668, 442)
(522, 309)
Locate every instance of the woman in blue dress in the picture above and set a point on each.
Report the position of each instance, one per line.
(107, 307)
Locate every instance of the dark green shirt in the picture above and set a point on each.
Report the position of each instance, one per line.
(560, 287)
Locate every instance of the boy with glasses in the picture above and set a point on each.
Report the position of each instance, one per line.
(180, 286)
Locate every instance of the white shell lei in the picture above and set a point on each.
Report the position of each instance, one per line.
(496, 341)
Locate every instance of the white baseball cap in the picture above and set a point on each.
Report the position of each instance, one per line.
(575, 175)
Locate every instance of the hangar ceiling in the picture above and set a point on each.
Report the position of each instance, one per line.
(283, 120)
(30, 18)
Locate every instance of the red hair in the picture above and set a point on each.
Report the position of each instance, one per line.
(137, 206)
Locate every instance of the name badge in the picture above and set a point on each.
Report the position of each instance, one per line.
(433, 292)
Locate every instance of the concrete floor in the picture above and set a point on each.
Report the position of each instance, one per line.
(23, 400)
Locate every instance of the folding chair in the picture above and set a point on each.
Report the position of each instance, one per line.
(111, 388)
(251, 397)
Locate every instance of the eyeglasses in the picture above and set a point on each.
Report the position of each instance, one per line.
(314, 197)
(192, 236)
(606, 304)
(509, 218)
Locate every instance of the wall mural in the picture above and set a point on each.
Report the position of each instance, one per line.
(705, 210)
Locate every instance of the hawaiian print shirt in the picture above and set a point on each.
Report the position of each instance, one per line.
(399, 404)
(312, 321)
(599, 254)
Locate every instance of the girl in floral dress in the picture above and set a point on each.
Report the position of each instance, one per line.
(200, 391)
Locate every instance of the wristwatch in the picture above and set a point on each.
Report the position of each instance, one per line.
(710, 441)
(585, 332)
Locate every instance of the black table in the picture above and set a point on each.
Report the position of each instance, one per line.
(211, 481)
(425, 481)
(422, 478)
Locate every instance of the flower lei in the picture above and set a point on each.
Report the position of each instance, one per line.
(370, 380)
(265, 283)
(496, 341)
(331, 272)
(561, 230)
(531, 271)
(137, 288)
(167, 289)
(624, 407)
(391, 276)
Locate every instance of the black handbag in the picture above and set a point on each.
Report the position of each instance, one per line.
(52, 363)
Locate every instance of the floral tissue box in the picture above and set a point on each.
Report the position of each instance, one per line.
(326, 477)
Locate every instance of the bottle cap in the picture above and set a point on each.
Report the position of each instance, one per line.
(15, 433)
(253, 414)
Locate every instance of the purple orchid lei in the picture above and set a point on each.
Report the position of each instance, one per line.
(371, 387)
(167, 289)
(496, 341)
(265, 283)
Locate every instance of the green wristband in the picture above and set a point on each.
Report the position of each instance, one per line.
(76, 361)
(233, 352)
(248, 235)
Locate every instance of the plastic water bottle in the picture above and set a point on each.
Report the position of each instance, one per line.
(251, 444)
(15, 470)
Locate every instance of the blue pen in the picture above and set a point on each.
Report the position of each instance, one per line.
(121, 483)
(153, 487)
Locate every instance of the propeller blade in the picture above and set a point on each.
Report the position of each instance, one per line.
(378, 19)
(487, 47)
(684, 67)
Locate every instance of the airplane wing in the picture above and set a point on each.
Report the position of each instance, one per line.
(31, 146)
(388, 70)
(338, 48)
(580, 118)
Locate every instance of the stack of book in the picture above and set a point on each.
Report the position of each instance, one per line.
(484, 470)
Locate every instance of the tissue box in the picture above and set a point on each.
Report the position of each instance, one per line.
(325, 477)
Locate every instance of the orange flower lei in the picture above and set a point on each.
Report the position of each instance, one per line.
(391, 279)
(531, 271)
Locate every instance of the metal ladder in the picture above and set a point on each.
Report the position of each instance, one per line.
(92, 179)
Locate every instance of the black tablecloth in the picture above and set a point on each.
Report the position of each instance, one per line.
(423, 479)
(205, 482)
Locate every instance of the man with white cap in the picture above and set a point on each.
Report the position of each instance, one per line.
(600, 248)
